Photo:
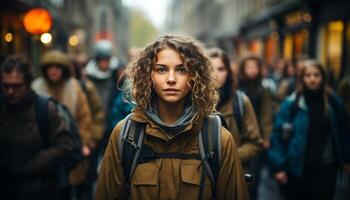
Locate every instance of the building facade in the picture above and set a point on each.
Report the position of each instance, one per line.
(76, 26)
(273, 29)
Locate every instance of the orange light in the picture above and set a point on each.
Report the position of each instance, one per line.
(37, 21)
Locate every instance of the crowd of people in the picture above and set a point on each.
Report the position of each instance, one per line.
(179, 120)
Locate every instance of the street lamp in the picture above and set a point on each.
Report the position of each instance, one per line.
(46, 38)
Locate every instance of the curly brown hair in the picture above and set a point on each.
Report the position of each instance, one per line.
(203, 93)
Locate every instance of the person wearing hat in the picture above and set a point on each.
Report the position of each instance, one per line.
(57, 82)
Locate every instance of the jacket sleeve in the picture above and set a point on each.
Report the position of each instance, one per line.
(278, 151)
(251, 143)
(110, 183)
(60, 146)
(98, 115)
(83, 117)
(343, 121)
(266, 114)
(230, 183)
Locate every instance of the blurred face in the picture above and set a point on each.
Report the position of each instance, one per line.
(103, 64)
(251, 69)
(54, 73)
(14, 86)
(291, 70)
(220, 71)
(170, 77)
(312, 78)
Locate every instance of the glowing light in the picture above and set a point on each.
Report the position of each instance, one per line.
(8, 37)
(307, 17)
(46, 38)
(37, 21)
(73, 40)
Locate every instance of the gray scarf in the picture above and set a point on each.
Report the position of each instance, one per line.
(186, 118)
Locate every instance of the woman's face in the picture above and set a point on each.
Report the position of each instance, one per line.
(251, 69)
(312, 78)
(54, 73)
(221, 71)
(170, 77)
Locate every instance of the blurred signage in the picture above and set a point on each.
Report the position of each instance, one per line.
(297, 17)
(103, 35)
(37, 21)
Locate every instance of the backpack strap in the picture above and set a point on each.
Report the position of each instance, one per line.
(42, 117)
(130, 144)
(209, 141)
(238, 109)
(133, 152)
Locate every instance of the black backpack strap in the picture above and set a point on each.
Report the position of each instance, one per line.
(210, 150)
(42, 117)
(238, 109)
(130, 144)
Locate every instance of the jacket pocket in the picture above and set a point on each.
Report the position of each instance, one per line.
(145, 181)
(191, 171)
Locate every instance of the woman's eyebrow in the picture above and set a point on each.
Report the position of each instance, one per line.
(164, 65)
(160, 65)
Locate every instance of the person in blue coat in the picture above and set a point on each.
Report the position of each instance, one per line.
(310, 138)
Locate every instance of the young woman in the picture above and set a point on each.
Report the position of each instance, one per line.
(172, 84)
(310, 138)
(245, 128)
(250, 82)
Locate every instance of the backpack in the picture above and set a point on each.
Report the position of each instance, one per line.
(238, 109)
(75, 156)
(133, 151)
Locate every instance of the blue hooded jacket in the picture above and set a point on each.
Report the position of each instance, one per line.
(287, 152)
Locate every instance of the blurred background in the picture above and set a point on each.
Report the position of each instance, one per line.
(268, 28)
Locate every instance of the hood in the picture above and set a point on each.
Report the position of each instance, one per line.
(93, 70)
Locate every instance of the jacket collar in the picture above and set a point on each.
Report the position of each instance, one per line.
(154, 130)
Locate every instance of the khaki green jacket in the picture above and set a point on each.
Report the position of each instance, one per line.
(170, 178)
(249, 141)
(265, 120)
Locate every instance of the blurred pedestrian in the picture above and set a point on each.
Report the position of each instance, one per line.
(27, 166)
(250, 82)
(103, 71)
(57, 82)
(236, 108)
(97, 117)
(310, 138)
(288, 82)
(172, 84)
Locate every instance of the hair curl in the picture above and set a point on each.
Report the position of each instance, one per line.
(139, 86)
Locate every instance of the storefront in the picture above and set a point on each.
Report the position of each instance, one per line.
(296, 31)
(333, 42)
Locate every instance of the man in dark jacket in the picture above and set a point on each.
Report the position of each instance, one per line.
(27, 168)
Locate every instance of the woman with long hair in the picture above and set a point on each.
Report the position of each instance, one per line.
(236, 108)
(172, 85)
(310, 138)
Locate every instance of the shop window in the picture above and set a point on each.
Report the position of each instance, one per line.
(334, 48)
(271, 47)
(256, 47)
(288, 47)
(301, 39)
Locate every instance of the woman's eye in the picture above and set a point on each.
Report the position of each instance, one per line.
(161, 70)
(181, 69)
